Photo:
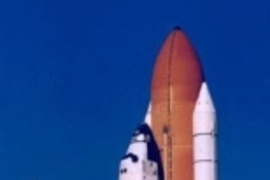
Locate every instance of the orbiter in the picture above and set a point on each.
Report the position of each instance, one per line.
(181, 115)
(142, 159)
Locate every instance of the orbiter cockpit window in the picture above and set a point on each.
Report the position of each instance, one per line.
(124, 170)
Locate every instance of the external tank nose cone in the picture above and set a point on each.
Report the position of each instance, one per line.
(178, 66)
(177, 28)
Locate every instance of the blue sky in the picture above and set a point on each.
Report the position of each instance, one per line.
(75, 78)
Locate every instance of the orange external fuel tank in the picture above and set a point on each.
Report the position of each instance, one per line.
(175, 86)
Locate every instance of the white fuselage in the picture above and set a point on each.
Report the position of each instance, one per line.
(136, 165)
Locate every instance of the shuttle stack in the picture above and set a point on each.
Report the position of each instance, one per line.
(180, 120)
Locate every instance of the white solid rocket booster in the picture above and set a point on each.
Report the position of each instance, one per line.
(204, 134)
(147, 119)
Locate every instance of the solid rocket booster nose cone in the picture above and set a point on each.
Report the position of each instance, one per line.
(204, 101)
(204, 112)
(147, 119)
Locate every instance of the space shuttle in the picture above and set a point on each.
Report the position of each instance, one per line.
(177, 140)
(142, 160)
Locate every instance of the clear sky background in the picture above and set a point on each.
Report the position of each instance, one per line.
(75, 82)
